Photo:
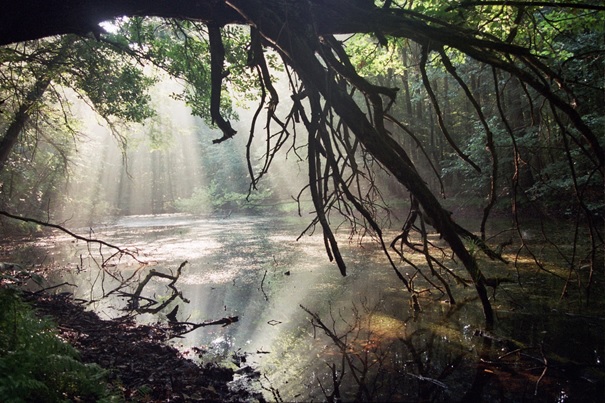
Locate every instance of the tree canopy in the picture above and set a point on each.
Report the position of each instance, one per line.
(357, 119)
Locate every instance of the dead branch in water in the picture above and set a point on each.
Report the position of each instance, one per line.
(181, 328)
(135, 297)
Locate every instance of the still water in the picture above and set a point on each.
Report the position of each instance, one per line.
(316, 335)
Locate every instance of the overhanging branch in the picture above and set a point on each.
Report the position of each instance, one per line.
(72, 234)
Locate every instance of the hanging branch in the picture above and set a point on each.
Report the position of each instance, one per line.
(330, 243)
(433, 98)
(385, 149)
(538, 82)
(275, 139)
(256, 58)
(404, 238)
(489, 141)
(217, 58)
(421, 147)
(340, 183)
(428, 258)
(345, 68)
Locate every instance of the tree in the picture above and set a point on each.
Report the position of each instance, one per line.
(36, 111)
(346, 116)
(72, 62)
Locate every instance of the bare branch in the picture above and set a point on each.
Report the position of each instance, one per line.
(72, 234)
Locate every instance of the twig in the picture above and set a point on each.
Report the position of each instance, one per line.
(53, 287)
(262, 288)
(545, 361)
(193, 326)
(274, 391)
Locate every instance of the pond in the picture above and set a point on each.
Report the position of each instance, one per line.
(316, 335)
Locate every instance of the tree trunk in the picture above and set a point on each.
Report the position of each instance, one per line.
(20, 120)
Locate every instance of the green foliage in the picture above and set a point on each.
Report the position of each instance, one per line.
(564, 37)
(200, 202)
(477, 183)
(371, 60)
(217, 197)
(584, 67)
(101, 73)
(36, 365)
(555, 189)
(181, 48)
(112, 75)
(118, 92)
(114, 84)
(559, 27)
(38, 165)
(116, 77)
(537, 27)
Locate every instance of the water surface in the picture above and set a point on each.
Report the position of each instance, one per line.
(358, 331)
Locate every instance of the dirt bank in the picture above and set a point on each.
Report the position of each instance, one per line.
(142, 366)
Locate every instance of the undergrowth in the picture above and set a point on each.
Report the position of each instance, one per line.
(36, 365)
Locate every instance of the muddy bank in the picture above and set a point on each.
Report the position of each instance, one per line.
(142, 367)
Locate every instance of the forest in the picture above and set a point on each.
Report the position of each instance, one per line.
(450, 153)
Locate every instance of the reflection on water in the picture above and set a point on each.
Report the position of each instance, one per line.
(356, 337)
